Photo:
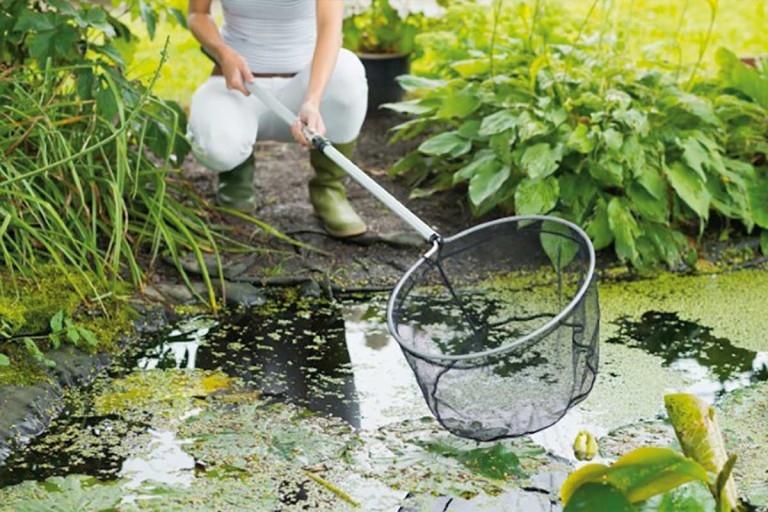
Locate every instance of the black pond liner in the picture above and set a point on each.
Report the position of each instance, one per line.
(501, 328)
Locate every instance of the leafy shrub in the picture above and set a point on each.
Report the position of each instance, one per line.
(532, 121)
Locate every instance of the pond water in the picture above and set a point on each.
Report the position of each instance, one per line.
(337, 360)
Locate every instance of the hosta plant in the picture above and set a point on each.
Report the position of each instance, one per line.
(539, 123)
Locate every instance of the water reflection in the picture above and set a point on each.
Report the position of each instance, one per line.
(292, 352)
(714, 364)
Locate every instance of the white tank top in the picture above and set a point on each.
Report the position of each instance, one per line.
(273, 36)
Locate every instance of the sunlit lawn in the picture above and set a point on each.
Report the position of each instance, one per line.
(672, 31)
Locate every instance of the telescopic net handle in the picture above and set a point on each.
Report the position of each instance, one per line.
(322, 144)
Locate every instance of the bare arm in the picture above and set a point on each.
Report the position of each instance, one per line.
(330, 14)
(202, 26)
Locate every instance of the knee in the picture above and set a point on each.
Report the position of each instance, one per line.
(220, 151)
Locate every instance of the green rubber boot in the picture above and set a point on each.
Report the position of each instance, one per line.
(329, 198)
(236, 189)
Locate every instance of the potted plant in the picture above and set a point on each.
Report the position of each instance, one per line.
(383, 33)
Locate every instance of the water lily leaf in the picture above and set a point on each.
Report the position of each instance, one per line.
(66, 494)
(537, 196)
(690, 187)
(497, 461)
(448, 143)
(596, 497)
(4, 360)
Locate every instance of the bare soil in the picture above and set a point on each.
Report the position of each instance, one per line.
(376, 259)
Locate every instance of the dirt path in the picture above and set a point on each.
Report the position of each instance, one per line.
(375, 259)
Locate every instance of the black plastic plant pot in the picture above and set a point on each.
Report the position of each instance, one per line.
(382, 69)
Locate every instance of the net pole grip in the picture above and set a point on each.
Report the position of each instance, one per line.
(322, 144)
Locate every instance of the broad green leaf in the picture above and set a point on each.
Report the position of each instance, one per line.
(471, 67)
(415, 83)
(599, 229)
(580, 140)
(695, 156)
(634, 119)
(498, 122)
(32, 21)
(757, 195)
(541, 160)
(410, 107)
(448, 143)
(652, 182)
(459, 105)
(411, 161)
(625, 229)
(536, 196)
(647, 206)
(639, 475)
(738, 75)
(598, 497)
(607, 172)
(501, 144)
(691, 497)
(4, 360)
(470, 129)
(482, 159)
(689, 186)
(670, 245)
(557, 242)
(486, 182)
(528, 127)
(694, 105)
(764, 242)
(613, 139)
(633, 154)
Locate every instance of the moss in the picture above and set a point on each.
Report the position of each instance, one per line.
(112, 323)
(22, 371)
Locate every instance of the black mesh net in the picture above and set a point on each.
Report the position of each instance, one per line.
(501, 326)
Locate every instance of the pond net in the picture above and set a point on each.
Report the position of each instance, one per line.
(500, 326)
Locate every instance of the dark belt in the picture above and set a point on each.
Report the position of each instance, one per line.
(217, 72)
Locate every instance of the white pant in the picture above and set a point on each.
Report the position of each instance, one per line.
(224, 125)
